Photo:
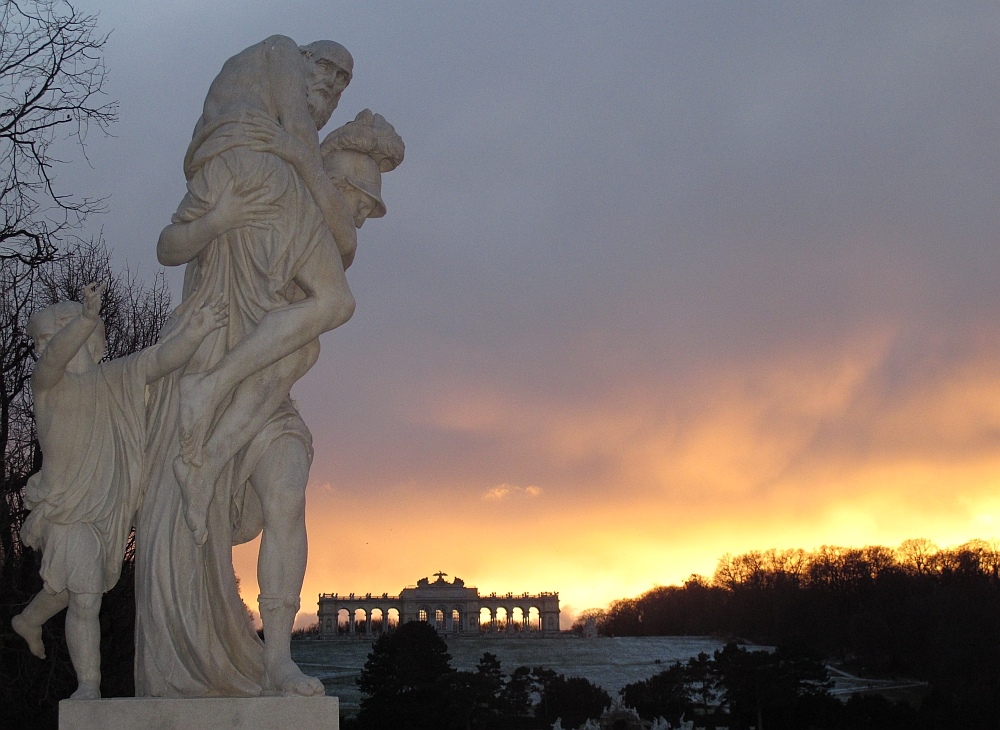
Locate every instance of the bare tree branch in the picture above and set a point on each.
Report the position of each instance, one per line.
(51, 90)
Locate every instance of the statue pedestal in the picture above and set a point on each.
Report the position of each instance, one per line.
(159, 713)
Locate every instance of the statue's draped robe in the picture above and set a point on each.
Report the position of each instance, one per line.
(84, 499)
(193, 636)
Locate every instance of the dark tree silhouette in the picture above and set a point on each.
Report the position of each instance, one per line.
(403, 679)
(484, 694)
(786, 689)
(667, 694)
(918, 612)
(408, 683)
(573, 699)
(516, 697)
(769, 689)
(51, 93)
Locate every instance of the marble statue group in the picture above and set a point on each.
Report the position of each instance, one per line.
(195, 441)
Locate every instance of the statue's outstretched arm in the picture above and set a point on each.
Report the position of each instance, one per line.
(65, 343)
(182, 341)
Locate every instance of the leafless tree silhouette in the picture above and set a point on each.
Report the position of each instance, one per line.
(51, 89)
(52, 76)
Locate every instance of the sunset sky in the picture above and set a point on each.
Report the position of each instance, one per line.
(658, 281)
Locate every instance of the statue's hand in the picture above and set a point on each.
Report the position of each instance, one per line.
(92, 295)
(269, 137)
(209, 317)
(234, 210)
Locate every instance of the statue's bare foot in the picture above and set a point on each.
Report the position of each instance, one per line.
(196, 494)
(31, 633)
(284, 676)
(196, 410)
(89, 689)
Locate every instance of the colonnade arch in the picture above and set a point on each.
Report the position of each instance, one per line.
(451, 607)
(510, 618)
(342, 619)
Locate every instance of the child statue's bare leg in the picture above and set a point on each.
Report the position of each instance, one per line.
(28, 623)
(328, 304)
(83, 637)
(253, 403)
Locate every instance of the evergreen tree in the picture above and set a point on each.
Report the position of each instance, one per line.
(404, 680)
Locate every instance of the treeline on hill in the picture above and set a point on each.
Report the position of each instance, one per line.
(916, 611)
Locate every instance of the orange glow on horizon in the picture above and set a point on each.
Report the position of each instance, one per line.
(787, 452)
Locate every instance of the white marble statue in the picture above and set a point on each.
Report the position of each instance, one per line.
(354, 157)
(91, 428)
(269, 223)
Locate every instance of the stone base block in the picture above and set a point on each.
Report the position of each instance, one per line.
(238, 713)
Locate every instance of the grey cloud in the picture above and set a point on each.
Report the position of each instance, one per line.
(604, 194)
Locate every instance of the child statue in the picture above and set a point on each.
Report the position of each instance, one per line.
(90, 418)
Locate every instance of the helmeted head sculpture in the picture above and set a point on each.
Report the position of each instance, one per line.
(355, 156)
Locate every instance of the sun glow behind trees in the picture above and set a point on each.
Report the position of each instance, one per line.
(655, 478)
(774, 326)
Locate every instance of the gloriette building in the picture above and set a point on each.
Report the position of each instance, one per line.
(454, 608)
